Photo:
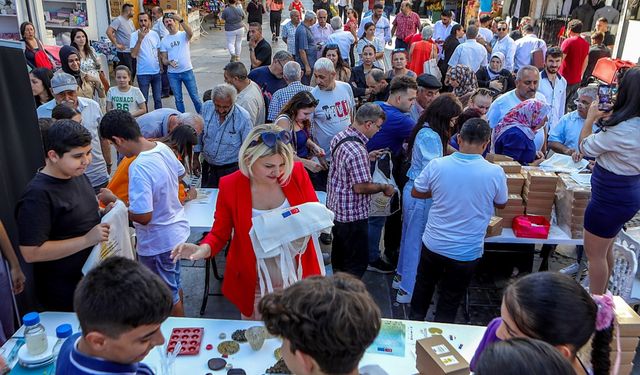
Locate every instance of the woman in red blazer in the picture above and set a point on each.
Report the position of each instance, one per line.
(268, 179)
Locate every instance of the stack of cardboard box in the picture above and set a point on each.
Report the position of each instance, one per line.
(515, 207)
(436, 356)
(495, 226)
(539, 192)
(571, 202)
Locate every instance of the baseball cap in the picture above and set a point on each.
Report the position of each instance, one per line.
(61, 82)
(429, 81)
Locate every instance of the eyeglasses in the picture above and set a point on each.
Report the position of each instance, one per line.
(502, 29)
(270, 139)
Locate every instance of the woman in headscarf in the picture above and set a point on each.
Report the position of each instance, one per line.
(494, 77)
(514, 135)
(88, 85)
(463, 81)
(422, 51)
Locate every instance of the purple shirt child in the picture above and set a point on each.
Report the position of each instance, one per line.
(488, 339)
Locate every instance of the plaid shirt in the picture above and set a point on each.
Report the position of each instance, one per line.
(406, 25)
(282, 96)
(289, 33)
(350, 166)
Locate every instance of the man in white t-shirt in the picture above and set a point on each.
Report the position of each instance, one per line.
(465, 189)
(333, 113)
(144, 48)
(249, 93)
(119, 33)
(174, 52)
(154, 207)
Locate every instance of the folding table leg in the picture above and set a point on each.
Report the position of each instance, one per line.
(207, 277)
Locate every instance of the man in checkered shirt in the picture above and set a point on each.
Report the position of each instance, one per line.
(349, 190)
(292, 73)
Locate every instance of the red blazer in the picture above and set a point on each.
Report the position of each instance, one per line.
(233, 213)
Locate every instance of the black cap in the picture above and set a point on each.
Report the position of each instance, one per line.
(428, 81)
(485, 18)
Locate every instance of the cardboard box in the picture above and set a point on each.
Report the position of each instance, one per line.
(538, 211)
(624, 369)
(529, 194)
(492, 158)
(540, 203)
(542, 177)
(515, 200)
(495, 226)
(507, 220)
(628, 320)
(534, 186)
(435, 356)
(510, 210)
(627, 344)
(515, 182)
(510, 166)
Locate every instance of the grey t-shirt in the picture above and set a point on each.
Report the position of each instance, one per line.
(232, 17)
(123, 28)
(155, 124)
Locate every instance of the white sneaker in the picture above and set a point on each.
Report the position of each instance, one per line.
(403, 297)
(397, 279)
(570, 270)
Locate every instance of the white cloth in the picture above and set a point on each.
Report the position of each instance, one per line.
(129, 101)
(177, 48)
(283, 234)
(471, 54)
(119, 242)
(344, 40)
(332, 114)
(555, 95)
(616, 149)
(507, 46)
(147, 60)
(160, 28)
(252, 100)
(154, 188)
(524, 46)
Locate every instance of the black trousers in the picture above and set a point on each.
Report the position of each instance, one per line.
(401, 44)
(358, 7)
(393, 224)
(319, 180)
(128, 61)
(211, 174)
(166, 88)
(349, 251)
(451, 276)
(274, 22)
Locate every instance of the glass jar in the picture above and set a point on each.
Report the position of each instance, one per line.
(35, 336)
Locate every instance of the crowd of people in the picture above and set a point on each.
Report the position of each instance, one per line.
(315, 116)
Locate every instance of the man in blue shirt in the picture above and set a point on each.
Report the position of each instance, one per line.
(306, 52)
(120, 305)
(395, 131)
(564, 136)
(465, 189)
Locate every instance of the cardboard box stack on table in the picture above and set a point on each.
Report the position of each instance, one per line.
(571, 202)
(539, 192)
(515, 183)
(515, 207)
(436, 356)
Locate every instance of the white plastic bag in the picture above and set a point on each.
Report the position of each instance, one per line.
(380, 203)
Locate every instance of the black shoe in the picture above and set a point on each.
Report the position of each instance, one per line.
(380, 266)
(326, 238)
(164, 96)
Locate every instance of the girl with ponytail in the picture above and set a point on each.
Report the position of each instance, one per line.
(554, 308)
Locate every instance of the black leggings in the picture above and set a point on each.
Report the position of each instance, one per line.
(274, 22)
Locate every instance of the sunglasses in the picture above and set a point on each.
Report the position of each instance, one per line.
(399, 50)
(502, 28)
(332, 45)
(270, 139)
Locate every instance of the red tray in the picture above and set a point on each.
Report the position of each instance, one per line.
(191, 339)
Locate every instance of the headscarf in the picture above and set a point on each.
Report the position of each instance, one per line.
(527, 116)
(65, 52)
(493, 75)
(465, 77)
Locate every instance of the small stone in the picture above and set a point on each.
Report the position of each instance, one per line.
(222, 336)
(209, 347)
(229, 366)
(216, 364)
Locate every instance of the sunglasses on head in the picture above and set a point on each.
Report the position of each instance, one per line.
(270, 139)
(332, 45)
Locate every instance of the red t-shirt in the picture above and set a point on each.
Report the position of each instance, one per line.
(576, 50)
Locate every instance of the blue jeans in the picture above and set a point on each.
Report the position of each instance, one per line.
(388, 9)
(376, 223)
(189, 79)
(155, 81)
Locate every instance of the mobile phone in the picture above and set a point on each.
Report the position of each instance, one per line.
(605, 97)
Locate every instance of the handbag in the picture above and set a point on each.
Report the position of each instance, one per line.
(431, 66)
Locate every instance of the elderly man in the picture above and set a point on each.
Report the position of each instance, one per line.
(64, 87)
(428, 89)
(406, 23)
(292, 73)
(119, 33)
(378, 85)
(259, 48)
(527, 81)
(383, 28)
(226, 127)
(321, 31)
(249, 94)
(333, 113)
(506, 45)
(306, 51)
(175, 52)
(161, 122)
(269, 78)
(470, 53)
(144, 48)
(525, 45)
(564, 136)
(344, 39)
(289, 31)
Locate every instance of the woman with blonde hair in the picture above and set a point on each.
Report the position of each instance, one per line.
(268, 180)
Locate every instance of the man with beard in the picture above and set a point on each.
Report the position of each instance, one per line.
(553, 86)
(527, 81)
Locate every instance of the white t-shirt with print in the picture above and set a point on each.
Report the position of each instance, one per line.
(129, 101)
(177, 48)
(147, 60)
(333, 113)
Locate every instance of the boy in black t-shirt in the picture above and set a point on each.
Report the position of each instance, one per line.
(58, 216)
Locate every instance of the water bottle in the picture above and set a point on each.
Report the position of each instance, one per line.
(35, 335)
(63, 331)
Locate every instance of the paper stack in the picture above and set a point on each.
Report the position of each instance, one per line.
(539, 192)
(572, 199)
(514, 208)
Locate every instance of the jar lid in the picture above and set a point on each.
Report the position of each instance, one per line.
(31, 319)
(63, 331)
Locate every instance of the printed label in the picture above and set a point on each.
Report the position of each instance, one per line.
(440, 349)
(449, 360)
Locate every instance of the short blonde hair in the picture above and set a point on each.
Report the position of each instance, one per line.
(251, 151)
